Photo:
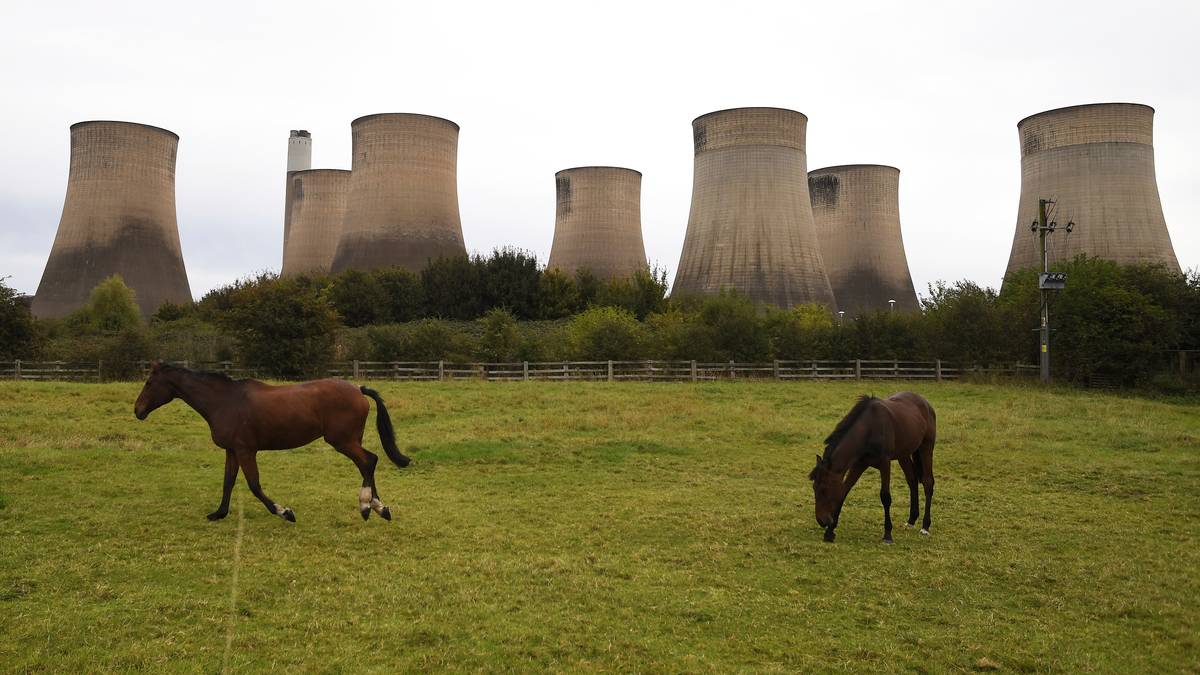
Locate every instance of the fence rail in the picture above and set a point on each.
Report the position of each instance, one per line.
(612, 371)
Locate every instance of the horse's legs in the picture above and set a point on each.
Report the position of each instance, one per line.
(231, 472)
(249, 464)
(926, 453)
(852, 477)
(368, 495)
(885, 497)
(910, 476)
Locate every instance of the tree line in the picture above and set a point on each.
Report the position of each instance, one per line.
(1118, 322)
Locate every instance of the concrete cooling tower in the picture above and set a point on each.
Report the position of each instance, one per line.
(598, 221)
(299, 158)
(118, 218)
(318, 208)
(751, 223)
(857, 213)
(1097, 162)
(402, 207)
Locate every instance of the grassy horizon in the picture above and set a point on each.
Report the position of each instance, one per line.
(601, 526)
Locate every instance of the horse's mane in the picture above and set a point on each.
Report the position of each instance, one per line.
(199, 373)
(848, 421)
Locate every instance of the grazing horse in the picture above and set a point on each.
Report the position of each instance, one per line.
(876, 431)
(246, 416)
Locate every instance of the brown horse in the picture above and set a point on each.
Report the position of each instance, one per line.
(246, 416)
(901, 427)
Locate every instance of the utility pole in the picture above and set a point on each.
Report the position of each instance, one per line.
(1047, 282)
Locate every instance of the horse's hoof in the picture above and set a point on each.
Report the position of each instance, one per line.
(924, 532)
(217, 515)
(385, 513)
(365, 513)
(288, 515)
(888, 540)
(910, 525)
(829, 537)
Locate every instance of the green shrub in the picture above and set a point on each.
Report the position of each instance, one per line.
(558, 295)
(19, 334)
(511, 281)
(111, 308)
(501, 339)
(453, 288)
(404, 296)
(602, 333)
(283, 327)
(359, 298)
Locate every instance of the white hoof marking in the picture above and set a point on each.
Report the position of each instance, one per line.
(364, 498)
(925, 532)
(279, 510)
(377, 506)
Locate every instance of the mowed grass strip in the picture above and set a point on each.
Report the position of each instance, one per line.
(647, 527)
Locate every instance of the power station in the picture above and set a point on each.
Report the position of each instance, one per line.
(1096, 162)
(598, 221)
(299, 158)
(402, 207)
(318, 208)
(118, 218)
(857, 213)
(751, 223)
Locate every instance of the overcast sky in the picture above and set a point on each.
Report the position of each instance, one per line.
(934, 88)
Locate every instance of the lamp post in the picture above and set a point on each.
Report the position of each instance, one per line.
(841, 317)
(891, 305)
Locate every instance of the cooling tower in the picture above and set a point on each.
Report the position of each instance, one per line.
(299, 158)
(402, 207)
(118, 218)
(318, 209)
(1097, 162)
(751, 224)
(857, 213)
(598, 222)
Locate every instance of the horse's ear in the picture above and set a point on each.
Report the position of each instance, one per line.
(819, 460)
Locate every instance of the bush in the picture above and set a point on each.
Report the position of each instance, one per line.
(803, 332)
(283, 327)
(19, 335)
(359, 298)
(734, 328)
(501, 340)
(642, 293)
(453, 288)
(111, 308)
(404, 296)
(511, 281)
(558, 295)
(603, 333)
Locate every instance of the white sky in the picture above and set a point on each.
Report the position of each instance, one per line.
(934, 88)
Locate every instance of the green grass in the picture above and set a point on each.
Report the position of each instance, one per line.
(573, 527)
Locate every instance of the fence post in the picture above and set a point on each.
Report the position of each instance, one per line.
(17, 369)
(693, 370)
(395, 370)
(895, 369)
(858, 369)
(937, 370)
(610, 378)
(525, 369)
(99, 368)
(731, 369)
(355, 369)
(775, 369)
(814, 369)
(186, 363)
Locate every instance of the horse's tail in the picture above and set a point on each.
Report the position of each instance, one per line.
(383, 424)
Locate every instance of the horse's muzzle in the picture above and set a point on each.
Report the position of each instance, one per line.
(140, 414)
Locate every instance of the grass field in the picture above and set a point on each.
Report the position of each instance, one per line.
(598, 526)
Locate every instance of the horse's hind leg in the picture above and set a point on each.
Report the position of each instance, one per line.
(249, 464)
(910, 477)
(368, 495)
(926, 467)
(885, 498)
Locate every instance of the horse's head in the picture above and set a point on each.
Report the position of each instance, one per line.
(158, 391)
(827, 490)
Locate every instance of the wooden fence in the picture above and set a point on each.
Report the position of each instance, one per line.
(611, 371)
